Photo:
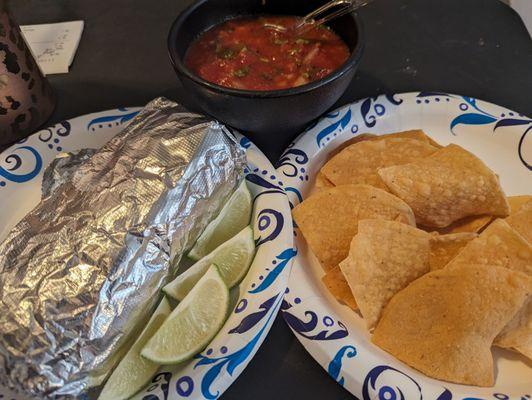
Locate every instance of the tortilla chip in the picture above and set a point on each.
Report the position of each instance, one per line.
(417, 134)
(359, 162)
(446, 186)
(353, 140)
(322, 182)
(444, 323)
(517, 335)
(503, 246)
(516, 202)
(385, 256)
(443, 248)
(498, 245)
(335, 282)
(329, 218)
(474, 223)
(521, 220)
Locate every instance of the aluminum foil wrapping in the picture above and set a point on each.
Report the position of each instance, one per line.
(62, 168)
(81, 273)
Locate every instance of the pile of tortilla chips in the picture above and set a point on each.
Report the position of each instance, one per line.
(423, 242)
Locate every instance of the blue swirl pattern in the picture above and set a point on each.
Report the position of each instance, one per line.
(118, 119)
(335, 366)
(18, 162)
(340, 124)
(520, 149)
(233, 360)
(371, 110)
(299, 196)
(306, 328)
(477, 116)
(285, 258)
(289, 161)
(371, 388)
(269, 218)
(253, 319)
(159, 387)
(260, 181)
(62, 129)
(245, 142)
(11, 173)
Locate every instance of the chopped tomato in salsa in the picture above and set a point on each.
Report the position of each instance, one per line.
(247, 53)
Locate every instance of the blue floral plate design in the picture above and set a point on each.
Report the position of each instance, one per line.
(260, 294)
(333, 334)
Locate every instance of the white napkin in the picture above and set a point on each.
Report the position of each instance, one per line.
(53, 45)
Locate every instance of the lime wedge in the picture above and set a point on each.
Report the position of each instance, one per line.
(232, 258)
(134, 371)
(193, 323)
(235, 215)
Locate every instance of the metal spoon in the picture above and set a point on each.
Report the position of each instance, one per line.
(320, 16)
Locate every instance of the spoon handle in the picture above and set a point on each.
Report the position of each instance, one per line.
(331, 10)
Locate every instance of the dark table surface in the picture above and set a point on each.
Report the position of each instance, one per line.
(478, 48)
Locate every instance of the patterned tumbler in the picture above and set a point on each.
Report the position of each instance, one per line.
(26, 98)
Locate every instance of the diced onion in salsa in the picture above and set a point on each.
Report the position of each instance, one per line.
(246, 53)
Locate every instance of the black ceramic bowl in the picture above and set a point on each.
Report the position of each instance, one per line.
(265, 116)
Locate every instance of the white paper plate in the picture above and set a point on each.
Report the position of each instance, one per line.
(261, 292)
(333, 334)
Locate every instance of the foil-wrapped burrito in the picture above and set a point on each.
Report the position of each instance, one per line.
(81, 273)
(62, 168)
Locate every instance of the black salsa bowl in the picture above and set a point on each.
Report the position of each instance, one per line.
(266, 117)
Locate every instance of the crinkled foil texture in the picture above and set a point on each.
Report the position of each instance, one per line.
(62, 168)
(81, 273)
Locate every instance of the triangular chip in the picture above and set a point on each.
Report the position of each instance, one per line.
(443, 248)
(517, 335)
(443, 324)
(521, 220)
(353, 140)
(385, 256)
(329, 218)
(359, 162)
(446, 186)
(498, 245)
(417, 134)
(516, 202)
(335, 282)
(474, 223)
(503, 246)
(322, 182)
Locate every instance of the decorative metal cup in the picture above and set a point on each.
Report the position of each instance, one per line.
(26, 98)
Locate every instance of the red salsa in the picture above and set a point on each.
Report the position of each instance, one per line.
(247, 53)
